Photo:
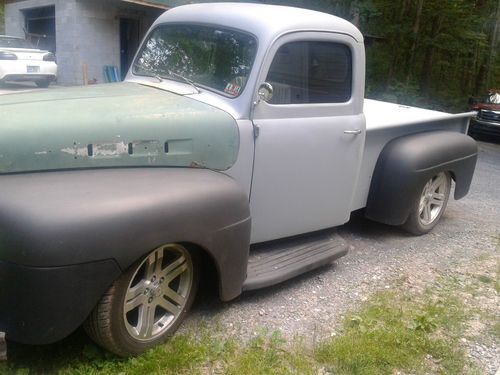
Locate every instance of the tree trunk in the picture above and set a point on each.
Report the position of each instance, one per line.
(416, 27)
(493, 46)
(426, 74)
(395, 43)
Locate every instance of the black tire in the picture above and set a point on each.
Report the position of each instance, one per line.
(419, 222)
(43, 84)
(110, 326)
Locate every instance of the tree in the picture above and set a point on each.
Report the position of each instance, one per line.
(2, 18)
(436, 52)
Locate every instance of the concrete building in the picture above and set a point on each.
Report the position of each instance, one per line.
(86, 35)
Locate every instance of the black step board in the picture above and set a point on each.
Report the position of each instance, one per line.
(278, 261)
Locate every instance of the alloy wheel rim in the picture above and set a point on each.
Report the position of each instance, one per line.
(432, 199)
(158, 292)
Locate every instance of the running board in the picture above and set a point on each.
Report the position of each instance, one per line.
(277, 261)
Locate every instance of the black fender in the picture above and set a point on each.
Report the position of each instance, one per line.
(407, 163)
(62, 222)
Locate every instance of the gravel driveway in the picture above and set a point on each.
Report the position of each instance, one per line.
(312, 305)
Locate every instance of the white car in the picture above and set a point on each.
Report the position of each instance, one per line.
(21, 61)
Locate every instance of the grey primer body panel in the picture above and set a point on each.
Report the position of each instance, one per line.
(407, 163)
(56, 219)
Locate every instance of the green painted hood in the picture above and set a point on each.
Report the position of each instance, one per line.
(113, 125)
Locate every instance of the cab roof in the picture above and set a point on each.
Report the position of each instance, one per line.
(266, 22)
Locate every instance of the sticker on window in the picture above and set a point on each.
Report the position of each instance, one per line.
(232, 89)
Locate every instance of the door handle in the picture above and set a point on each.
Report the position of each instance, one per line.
(355, 132)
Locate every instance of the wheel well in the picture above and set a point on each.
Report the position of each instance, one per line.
(209, 277)
(453, 177)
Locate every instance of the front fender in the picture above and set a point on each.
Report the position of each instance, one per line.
(60, 219)
(407, 163)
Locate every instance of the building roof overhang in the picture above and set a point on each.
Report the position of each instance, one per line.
(161, 4)
(167, 4)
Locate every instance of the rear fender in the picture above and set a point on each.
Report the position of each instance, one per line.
(407, 163)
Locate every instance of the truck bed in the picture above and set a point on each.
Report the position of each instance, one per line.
(386, 121)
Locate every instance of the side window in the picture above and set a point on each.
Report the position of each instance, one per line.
(311, 72)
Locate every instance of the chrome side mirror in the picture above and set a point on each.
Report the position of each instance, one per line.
(266, 92)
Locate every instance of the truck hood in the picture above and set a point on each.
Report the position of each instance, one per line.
(113, 125)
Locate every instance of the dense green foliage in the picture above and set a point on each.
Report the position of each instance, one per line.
(2, 20)
(435, 53)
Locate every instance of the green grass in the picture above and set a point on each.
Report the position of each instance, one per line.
(393, 331)
(271, 355)
(497, 277)
(396, 332)
(182, 354)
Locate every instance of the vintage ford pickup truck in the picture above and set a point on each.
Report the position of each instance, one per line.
(238, 140)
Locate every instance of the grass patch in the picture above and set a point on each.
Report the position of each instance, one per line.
(497, 277)
(485, 279)
(271, 355)
(182, 354)
(393, 332)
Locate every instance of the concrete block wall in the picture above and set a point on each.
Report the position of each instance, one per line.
(87, 32)
(98, 33)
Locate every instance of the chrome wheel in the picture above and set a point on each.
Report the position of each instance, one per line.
(158, 292)
(427, 207)
(433, 199)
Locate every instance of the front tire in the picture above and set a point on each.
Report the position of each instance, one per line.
(429, 206)
(147, 303)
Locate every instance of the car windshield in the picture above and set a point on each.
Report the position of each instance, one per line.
(209, 57)
(493, 98)
(6, 42)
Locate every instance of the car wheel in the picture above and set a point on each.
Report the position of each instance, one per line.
(147, 303)
(429, 205)
(43, 84)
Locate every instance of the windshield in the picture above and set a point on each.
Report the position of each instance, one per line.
(493, 98)
(6, 42)
(210, 57)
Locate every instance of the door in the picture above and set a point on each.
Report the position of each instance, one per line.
(310, 135)
(129, 43)
(40, 27)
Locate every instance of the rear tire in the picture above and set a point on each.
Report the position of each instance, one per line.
(43, 84)
(430, 205)
(146, 305)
